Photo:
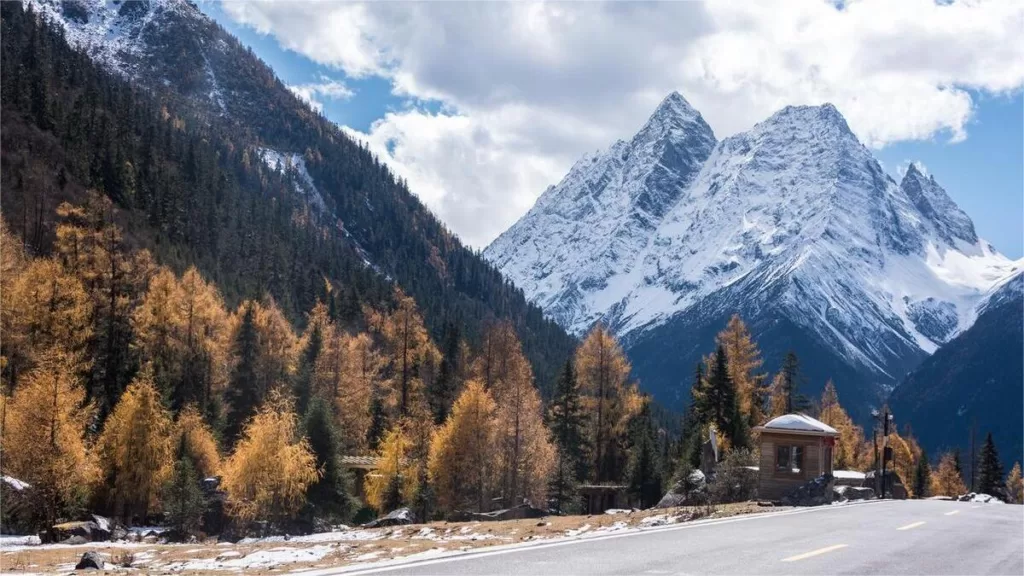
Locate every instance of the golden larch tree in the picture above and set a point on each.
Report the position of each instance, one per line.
(946, 480)
(92, 248)
(394, 482)
(851, 436)
(353, 367)
(267, 475)
(407, 350)
(12, 261)
(206, 332)
(44, 435)
(462, 464)
(609, 401)
(744, 361)
(1015, 485)
(135, 449)
(526, 454)
(193, 434)
(49, 308)
(181, 326)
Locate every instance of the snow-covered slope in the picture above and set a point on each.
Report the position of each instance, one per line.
(294, 165)
(592, 226)
(154, 42)
(794, 223)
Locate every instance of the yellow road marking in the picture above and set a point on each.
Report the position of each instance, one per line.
(806, 555)
(951, 513)
(909, 526)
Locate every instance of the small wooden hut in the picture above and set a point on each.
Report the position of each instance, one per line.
(795, 449)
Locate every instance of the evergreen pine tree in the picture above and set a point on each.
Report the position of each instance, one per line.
(693, 424)
(392, 498)
(378, 420)
(788, 386)
(423, 504)
(644, 467)
(446, 385)
(243, 394)
(183, 500)
(721, 405)
(990, 469)
(330, 492)
(566, 422)
(307, 368)
(922, 476)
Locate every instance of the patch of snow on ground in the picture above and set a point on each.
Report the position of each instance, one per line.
(616, 527)
(14, 483)
(849, 474)
(259, 559)
(577, 531)
(21, 541)
(659, 520)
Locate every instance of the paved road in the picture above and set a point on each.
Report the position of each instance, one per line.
(896, 537)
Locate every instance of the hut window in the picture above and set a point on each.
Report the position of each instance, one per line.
(789, 458)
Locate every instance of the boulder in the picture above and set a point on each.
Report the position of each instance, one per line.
(20, 515)
(90, 561)
(399, 517)
(88, 529)
(844, 493)
(692, 490)
(74, 540)
(814, 493)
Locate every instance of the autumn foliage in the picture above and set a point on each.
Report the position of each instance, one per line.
(272, 466)
(44, 435)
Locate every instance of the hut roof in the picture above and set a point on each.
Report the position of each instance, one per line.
(800, 423)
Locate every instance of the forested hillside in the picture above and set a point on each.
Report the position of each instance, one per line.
(194, 187)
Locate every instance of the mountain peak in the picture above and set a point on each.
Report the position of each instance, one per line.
(912, 170)
(823, 116)
(675, 120)
(675, 104)
(935, 204)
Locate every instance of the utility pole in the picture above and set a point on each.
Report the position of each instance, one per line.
(874, 442)
(886, 451)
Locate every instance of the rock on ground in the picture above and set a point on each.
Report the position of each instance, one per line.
(90, 561)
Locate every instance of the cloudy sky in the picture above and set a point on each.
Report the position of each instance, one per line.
(481, 106)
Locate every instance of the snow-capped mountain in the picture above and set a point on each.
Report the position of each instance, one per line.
(157, 43)
(793, 224)
(592, 226)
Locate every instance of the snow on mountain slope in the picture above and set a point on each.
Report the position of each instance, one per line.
(794, 219)
(155, 42)
(111, 32)
(590, 228)
(285, 163)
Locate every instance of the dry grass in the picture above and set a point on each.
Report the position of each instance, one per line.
(354, 546)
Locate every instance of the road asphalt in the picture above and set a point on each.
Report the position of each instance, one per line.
(887, 537)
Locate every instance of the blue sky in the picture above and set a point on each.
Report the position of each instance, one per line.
(479, 124)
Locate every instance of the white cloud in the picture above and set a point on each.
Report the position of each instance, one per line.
(314, 93)
(527, 88)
